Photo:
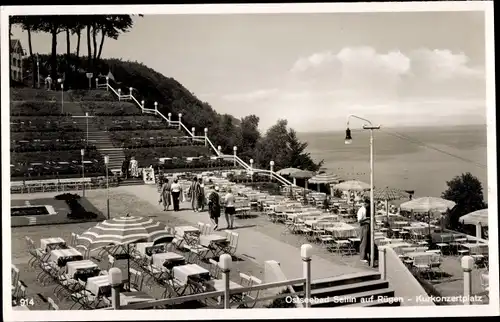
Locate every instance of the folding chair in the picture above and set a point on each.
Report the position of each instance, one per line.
(422, 264)
(248, 280)
(197, 253)
(52, 305)
(136, 280)
(289, 226)
(15, 278)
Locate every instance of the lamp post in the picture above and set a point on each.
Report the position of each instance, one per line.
(86, 116)
(82, 152)
(235, 149)
(38, 71)
(271, 164)
(305, 253)
(115, 279)
(62, 98)
(348, 140)
(251, 168)
(106, 162)
(206, 135)
(225, 263)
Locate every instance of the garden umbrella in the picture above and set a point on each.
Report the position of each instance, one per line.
(352, 185)
(478, 217)
(387, 194)
(287, 171)
(301, 174)
(325, 178)
(124, 231)
(428, 205)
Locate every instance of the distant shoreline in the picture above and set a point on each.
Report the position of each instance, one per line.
(406, 128)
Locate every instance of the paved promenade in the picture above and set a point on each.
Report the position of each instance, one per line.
(253, 244)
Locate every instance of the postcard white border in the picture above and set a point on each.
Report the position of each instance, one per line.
(436, 311)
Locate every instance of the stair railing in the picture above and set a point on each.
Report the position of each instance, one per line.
(155, 111)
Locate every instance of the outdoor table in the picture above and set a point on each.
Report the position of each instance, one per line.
(187, 233)
(399, 224)
(99, 285)
(342, 230)
(141, 247)
(82, 265)
(52, 243)
(418, 229)
(414, 255)
(62, 256)
(184, 272)
(135, 297)
(476, 248)
(398, 245)
(208, 240)
(162, 259)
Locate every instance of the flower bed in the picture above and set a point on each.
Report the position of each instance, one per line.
(46, 145)
(33, 94)
(36, 108)
(47, 135)
(29, 211)
(111, 108)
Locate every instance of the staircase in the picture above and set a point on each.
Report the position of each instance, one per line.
(351, 290)
(96, 137)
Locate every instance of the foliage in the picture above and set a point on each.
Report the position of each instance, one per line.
(35, 108)
(67, 196)
(467, 192)
(281, 303)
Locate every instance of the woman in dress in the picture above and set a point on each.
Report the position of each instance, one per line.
(230, 209)
(165, 194)
(214, 207)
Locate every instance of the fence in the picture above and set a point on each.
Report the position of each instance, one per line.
(225, 295)
(191, 133)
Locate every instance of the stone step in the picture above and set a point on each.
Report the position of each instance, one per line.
(349, 288)
(341, 280)
(354, 298)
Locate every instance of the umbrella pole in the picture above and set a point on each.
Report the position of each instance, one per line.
(387, 210)
(429, 222)
(128, 265)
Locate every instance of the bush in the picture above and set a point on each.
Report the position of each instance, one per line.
(111, 108)
(25, 94)
(36, 108)
(281, 303)
(67, 196)
(86, 95)
(77, 211)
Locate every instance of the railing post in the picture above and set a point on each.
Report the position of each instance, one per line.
(382, 266)
(225, 262)
(206, 136)
(271, 164)
(192, 132)
(119, 94)
(180, 121)
(142, 106)
(130, 92)
(235, 149)
(467, 266)
(107, 83)
(169, 118)
(305, 253)
(115, 279)
(156, 108)
(219, 149)
(96, 83)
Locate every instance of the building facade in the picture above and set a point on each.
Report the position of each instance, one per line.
(16, 60)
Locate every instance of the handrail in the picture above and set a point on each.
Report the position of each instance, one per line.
(219, 154)
(214, 294)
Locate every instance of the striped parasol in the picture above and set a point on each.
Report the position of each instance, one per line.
(123, 231)
(387, 194)
(325, 178)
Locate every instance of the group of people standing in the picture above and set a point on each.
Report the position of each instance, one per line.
(170, 193)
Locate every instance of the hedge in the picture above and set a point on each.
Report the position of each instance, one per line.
(111, 108)
(170, 152)
(96, 96)
(47, 145)
(24, 94)
(47, 135)
(36, 108)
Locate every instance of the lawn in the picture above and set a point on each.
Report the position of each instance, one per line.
(61, 208)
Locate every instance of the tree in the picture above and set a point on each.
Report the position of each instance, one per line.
(111, 26)
(250, 135)
(467, 192)
(53, 24)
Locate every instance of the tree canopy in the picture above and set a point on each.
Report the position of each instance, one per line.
(467, 192)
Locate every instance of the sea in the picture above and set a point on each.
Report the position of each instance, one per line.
(422, 159)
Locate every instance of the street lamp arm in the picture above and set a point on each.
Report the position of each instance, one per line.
(357, 117)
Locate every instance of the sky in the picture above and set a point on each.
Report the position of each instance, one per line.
(397, 69)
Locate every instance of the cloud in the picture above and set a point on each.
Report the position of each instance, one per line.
(250, 96)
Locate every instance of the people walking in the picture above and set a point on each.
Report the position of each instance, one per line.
(200, 195)
(176, 191)
(214, 207)
(192, 194)
(166, 194)
(230, 210)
